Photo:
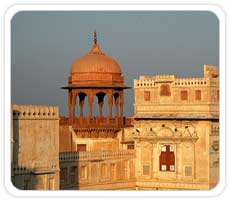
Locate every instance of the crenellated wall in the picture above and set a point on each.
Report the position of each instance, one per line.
(34, 112)
(185, 97)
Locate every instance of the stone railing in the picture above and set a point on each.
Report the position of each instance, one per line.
(95, 155)
(96, 121)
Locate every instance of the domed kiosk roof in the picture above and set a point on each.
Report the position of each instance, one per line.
(95, 62)
(95, 69)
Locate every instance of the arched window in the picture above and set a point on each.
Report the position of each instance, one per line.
(167, 159)
(165, 90)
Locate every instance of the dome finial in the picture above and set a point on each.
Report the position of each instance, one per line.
(95, 37)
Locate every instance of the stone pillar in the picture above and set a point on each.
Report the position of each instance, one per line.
(121, 105)
(101, 108)
(179, 160)
(81, 107)
(117, 106)
(90, 102)
(100, 97)
(110, 102)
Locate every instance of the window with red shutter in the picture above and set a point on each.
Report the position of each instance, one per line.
(184, 95)
(167, 159)
(147, 95)
(198, 94)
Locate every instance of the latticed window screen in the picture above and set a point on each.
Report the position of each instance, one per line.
(188, 171)
(63, 175)
(215, 145)
(145, 169)
(167, 159)
(73, 174)
(26, 184)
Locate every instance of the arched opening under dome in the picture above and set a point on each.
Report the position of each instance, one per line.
(82, 99)
(116, 101)
(101, 102)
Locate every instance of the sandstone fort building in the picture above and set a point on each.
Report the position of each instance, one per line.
(171, 141)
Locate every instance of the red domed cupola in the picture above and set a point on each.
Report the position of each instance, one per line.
(95, 68)
(96, 74)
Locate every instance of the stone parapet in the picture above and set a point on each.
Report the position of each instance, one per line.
(177, 82)
(95, 155)
(34, 112)
(167, 185)
(186, 82)
(95, 122)
(211, 77)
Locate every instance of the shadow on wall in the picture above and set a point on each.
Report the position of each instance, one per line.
(97, 170)
(22, 177)
(69, 174)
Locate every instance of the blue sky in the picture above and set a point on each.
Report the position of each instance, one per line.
(44, 44)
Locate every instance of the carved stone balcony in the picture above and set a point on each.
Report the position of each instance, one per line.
(97, 122)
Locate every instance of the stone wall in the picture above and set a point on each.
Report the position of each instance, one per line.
(35, 147)
(108, 170)
(162, 95)
(189, 141)
(94, 139)
(214, 153)
(180, 114)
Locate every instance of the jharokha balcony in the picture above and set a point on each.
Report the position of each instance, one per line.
(97, 122)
